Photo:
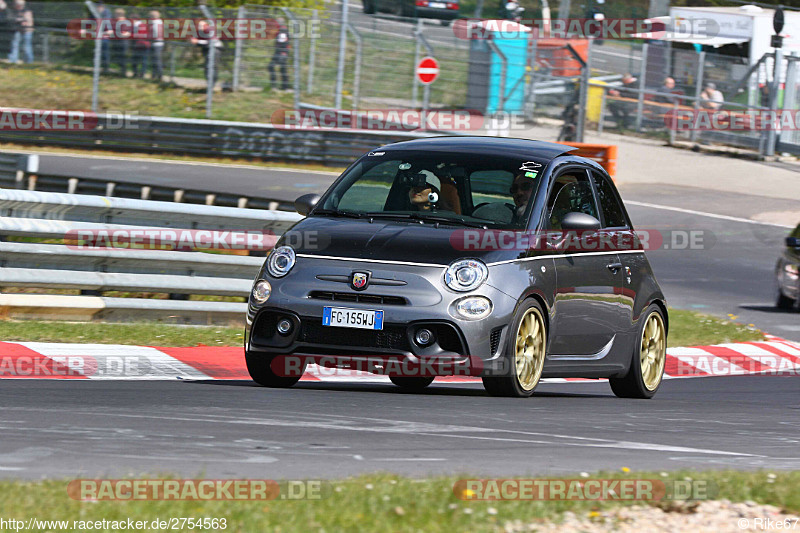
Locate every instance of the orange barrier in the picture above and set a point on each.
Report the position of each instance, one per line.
(605, 154)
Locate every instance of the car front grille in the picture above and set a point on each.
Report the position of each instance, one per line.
(357, 297)
(389, 338)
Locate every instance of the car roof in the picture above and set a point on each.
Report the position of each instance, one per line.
(484, 145)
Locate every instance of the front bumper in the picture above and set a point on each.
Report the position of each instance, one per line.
(422, 301)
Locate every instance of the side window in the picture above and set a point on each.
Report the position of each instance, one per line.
(370, 193)
(612, 209)
(571, 192)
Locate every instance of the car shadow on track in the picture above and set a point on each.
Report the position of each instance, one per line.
(475, 389)
(768, 309)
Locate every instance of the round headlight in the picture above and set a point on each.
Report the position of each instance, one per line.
(473, 307)
(261, 291)
(280, 261)
(465, 275)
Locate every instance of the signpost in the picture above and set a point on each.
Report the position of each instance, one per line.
(427, 71)
(777, 44)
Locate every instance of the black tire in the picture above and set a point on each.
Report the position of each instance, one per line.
(412, 383)
(784, 302)
(369, 6)
(508, 384)
(260, 369)
(632, 385)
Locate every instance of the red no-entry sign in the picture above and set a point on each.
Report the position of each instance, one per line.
(427, 70)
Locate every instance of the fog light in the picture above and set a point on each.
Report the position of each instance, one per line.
(473, 307)
(423, 337)
(284, 326)
(261, 291)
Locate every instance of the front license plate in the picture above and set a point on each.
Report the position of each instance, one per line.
(438, 5)
(352, 318)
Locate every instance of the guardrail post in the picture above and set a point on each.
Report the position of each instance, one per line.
(357, 72)
(98, 44)
(415, 84)
(312, 53)
(701, 62)
(237, 53)
(642, 87)
(342, 52)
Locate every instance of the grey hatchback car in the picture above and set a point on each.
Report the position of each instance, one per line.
(507, 259)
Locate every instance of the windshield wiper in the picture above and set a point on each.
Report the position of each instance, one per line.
(427, 218)
(337, 213)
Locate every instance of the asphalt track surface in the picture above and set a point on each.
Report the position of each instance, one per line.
(235, 429)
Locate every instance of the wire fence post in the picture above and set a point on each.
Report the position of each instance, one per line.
(342, 53)
(211, 58)
(698, 90)
(584, 96)
(415, 84)
(296, 49)
(790, 94)
(426, 92)
(642, 87)
(772, 135)
(357, 70)
(237, 53)
(312, 51)
(98, 46)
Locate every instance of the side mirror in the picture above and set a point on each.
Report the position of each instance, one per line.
(306, 203)
(574, 221)
(793, 242)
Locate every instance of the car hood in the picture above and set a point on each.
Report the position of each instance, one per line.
(385, 240)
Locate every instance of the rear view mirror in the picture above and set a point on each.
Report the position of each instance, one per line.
(793, 242)
(306, 203)
(575, 221)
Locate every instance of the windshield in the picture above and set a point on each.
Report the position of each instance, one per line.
(479, 190)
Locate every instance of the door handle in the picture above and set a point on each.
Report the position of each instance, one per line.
(614, 267)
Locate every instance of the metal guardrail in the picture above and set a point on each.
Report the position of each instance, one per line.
(66, 265)
(215, 138)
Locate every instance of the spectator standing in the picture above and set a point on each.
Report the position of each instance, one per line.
(711, 98)
(205, 40)
(623, 110)
(141, 47)
(120, 41)
(105, 41)
(156, 26)
(669, 95)
(280, 58)
(19, 20)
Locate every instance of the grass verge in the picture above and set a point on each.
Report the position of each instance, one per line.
(383, 502)
(687, 328)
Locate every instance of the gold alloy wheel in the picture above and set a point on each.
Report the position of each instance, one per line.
(530, 348)
(653, 352)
